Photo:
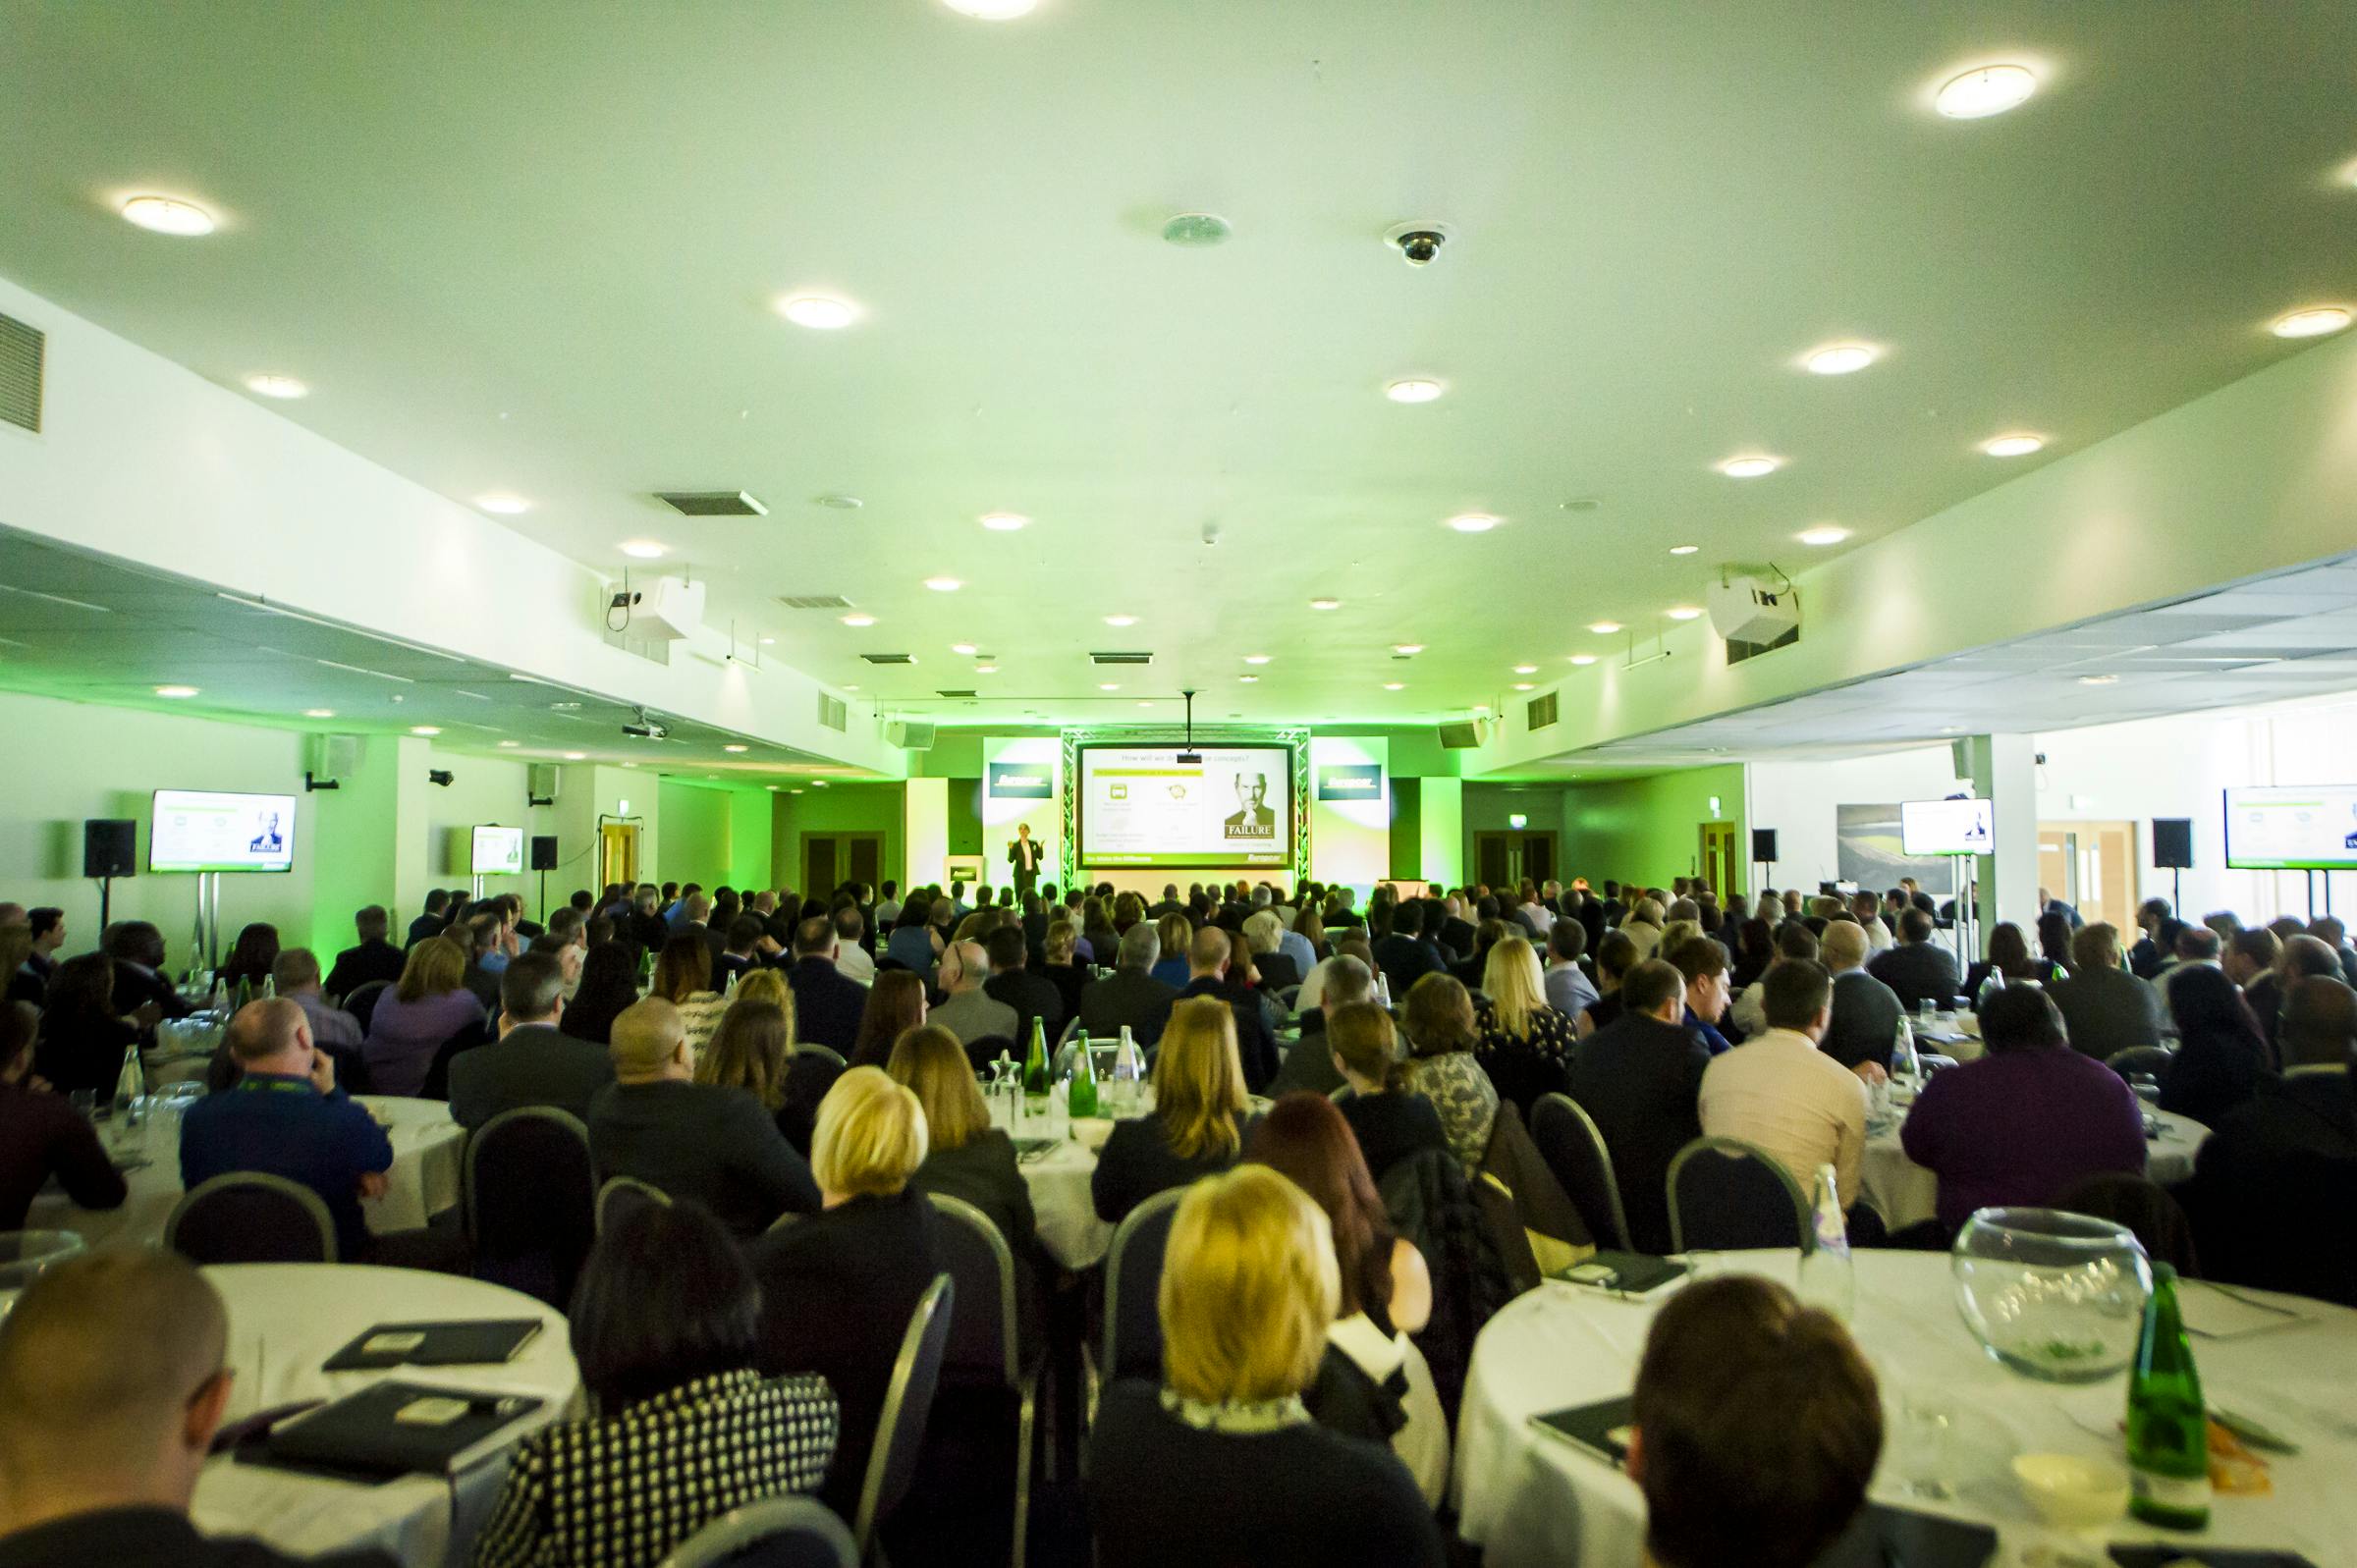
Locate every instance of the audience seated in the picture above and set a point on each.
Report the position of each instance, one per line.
(1392, 1119)
(1756, 1427)
(1350, 944)
(534, 1062)
(1638, 1079)
(113, 1381)
(1223, 1464)
(1061, 965)
(1783, 1094)
(2010, 960)
(2104, 1008)
(1013, 982)
(1405, 957)
(429, 1007)
(1438, 1020)
(681, 1427)
(249, 959)
(1310, 1063)
(1866, 1012)
(373, 957)
(1570, 990)
(827, 1003)
(1643, 927)
(1198, 1122)
(684, 978)
(896, 1005)
(1615, 956)
(696, 1142)
(1917, 969)
(137, 950)
(609, 986)
(2221, 1056)
(1525, 1044)
(966, 1009)
(838, 1287)
(42, 1135)
(432, 922)
(1209, 956)
(1702, 963)
(83, 1034)
(2028, 1122)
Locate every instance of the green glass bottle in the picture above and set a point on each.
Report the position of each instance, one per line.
(2169, 1436)
(1082, 1101)
(1035, 1070)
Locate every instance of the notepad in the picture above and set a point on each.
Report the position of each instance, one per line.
(477, 1342)
(1632, 1274)
(1883, 1536)
(1602, 1428)
(2215, 1312)
(398, 1428)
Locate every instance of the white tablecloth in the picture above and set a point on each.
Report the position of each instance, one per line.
(284, 1320)
(1527, 1497)
(1060, 1200)
(423, 1181)
(1903, 1193)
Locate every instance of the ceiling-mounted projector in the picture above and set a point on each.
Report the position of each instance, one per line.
(646, 729)
(1191, 759)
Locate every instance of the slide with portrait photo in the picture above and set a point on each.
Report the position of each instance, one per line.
(1140, 806)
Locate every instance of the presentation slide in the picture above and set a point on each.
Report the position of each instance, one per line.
(205, 829)
(498, 853)
(2292, 827)
(1140, 806)
(1946, 827)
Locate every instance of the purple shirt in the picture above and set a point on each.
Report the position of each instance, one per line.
(403, 1037)
(2022, 1128)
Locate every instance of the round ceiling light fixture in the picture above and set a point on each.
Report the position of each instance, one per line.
(500, 504)
(1005, 522)
(1256, 658)
(2021, 444)
(736, 750)
(1394, 685)
(1603, 629)
(1121, 621)
(944, 584)
(837, 502)
(1583, 659)
(1473, 523)
(1683, 612)
(1325, 604)
(1413, 390)
(1823, 534)
(176, 691)
(1407, 649)
(318, 713)
(1247, 680)
(1751, 467)
(427, 730)
(858, 619)
(1985, 90)
(965, 649)
(1684, 550)
(2319, 321)
(642, 549)
(818, 311)
(1840, 359)
(168, 215)
(1196, 230)
(1526, 670)
(992, 10)
(283, 388)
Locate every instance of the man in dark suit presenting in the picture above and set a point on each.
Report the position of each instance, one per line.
(1024, 856)
(1255, 820)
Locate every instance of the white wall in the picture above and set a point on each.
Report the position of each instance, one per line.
(485, 792)
(1800, 802)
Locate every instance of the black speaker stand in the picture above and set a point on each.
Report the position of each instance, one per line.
(2177, 892)
(544, 900)
(106, 902)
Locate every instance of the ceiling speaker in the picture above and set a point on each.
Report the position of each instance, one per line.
(1459, 734)
(910, 734)
(1749, 610)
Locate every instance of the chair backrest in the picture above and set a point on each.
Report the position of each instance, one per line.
(1133, 1287)
(2145, 1208)
(1574, 1149)
(246, 1216)
(907, 1404)
(774, 1533)
(437, 1072)
(529, 1189)
(981, 1268)
(2140, 1061)
(619, 1192)
(826, 1053)
(1726, 1195)
(362, 1004)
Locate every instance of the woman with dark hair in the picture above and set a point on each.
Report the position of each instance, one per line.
(2220, 1053)
(2054, 942)
(609, 984)
(1388, 1118)
(1098, 933)
(1442, 1039)
(896, 1005)
(1061, 965)
(2009, 957)
(681, 1426)
(1755, 950)
(1373, 1383)
(684, 978)
(914, 944)
(428, 1008)
(83, 1038)
(250, 957)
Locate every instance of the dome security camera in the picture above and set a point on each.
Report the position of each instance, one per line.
(1421, 246)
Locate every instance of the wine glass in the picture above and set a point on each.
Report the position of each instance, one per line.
(2055, 1296)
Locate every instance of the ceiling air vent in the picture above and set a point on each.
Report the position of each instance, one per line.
(814, 600)
(834, 712)
(1541, 711)
(1120, 657)
(712, 503)
(967, 694)
(890, 658)
(20, 354)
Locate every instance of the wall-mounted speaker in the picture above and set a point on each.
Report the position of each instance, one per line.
(2172, 842)
(910, 734)
(110, 847)
(332, 757)
(541, 780)
(544, 851)
(1461, 734)
(1763, 846)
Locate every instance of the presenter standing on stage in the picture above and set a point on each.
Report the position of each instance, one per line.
(1024, 856)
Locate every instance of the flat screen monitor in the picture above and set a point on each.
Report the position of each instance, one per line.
(1946, 827)
(211, 829)
(1141, 806)
(498, 853)
(2292, 827)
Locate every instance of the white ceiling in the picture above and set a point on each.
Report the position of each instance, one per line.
(535, 248)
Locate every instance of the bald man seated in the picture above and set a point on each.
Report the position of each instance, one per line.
(113, 1380)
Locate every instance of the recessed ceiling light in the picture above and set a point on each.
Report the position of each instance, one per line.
(818, 310)
(1256, 658)
(166, 215)
(1109, 685)
(1752, 467)
(1121, 621)
(858, 619)
(1840, 359)
(1247, 680)
(1681, 612)
(2018, 445)
(1412, 391)
(2312, 323)
(519, 743)
(1583, 658)
(840, 502)
(1407, 647)
(629, 765)
(1684, 550)
(1526, 670)
(964, 648)
(1472, 523)
(1824, 535)
(767, 641)
(1394, 685)
(1987, 90)
(1603, 629)
(1325, 604)
(1524, 685)
(176, 691)
(318, 713)
(284, 388)
(980, 670)
(641, 549)
(2098, 680)
(576, 756)
(1196, 230)
(424, 729)
(736, 750)
(1146, 704)
(503, 503)
(944, 584)
(1005, 522)
(850, 685)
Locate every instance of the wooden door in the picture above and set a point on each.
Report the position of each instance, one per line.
(1718, 858)
(2093, 866)
(819, 866)
(617, 852)
(867, 857)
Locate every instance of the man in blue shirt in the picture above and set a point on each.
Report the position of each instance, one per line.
(1703, 962)
(286, 1117)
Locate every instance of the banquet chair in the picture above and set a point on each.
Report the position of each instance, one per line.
(619, 1193)
(362, 1004)
(907, 1404)
(826, 1053)
(529, 1192)
(2146, 1209)
(246, 1216)
(437, 1073)
(1726, 1195)
(774, 1533)
(1134, 1288)
(985, 1332)
(2141, 1061)
(1574, 1149)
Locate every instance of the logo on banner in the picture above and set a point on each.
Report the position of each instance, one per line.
(1020, 782)
(1351, 781)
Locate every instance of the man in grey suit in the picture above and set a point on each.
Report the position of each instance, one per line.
(532, 1062)
(2105, 1008)
(1917, 969)
(1866, 1012)
(1130, 995)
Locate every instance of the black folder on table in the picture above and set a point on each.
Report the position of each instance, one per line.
(1633, 1273)
(477, 1342)
(1602, 1428)
(397, 1428)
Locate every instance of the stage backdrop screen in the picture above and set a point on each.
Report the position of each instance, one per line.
(1947, 827)
(498, 853)
(1140, 806)
(205, 829)
(2292, 827)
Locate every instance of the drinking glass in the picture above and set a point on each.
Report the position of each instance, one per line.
(1922, 1457)
(2054, 1296)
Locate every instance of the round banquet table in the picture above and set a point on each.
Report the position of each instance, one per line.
(285, 1321)
(423, 1182)
(1903, 1192)
(1058, 1178)
(1528, 1497)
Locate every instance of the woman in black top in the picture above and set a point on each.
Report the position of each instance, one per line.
(1389, 1120)
(609, 984)
(2008, 956)
(82, 1039)
(2220, 1053)
(1060, 968)
(250, 957)
(1755, 950)
(1198, 1123)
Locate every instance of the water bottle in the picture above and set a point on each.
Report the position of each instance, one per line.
(1081, 1101)
(2169, 1438)
(1383, 991)
(1828, 1278)
(1989, 988)
(1128, 1072)
(1905, 1065)
(130, 1088)
(730, 990)
(1035, 1070)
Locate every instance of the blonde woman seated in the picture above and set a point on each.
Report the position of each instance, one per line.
(1198, 1123)
(681, 1426)
(1222, 1463)
(1178, 934)
(749, 1050)
(684, 978)
(1644, 926)
(1441, 1041)
(966, 1156)
(838, 1287)
(1526, 1044)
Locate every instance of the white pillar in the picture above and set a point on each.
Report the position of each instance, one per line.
(2005, 771)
